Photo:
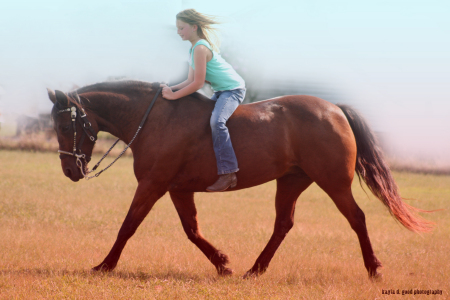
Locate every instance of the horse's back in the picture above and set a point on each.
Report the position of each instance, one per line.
(303, 119)
(293, 133)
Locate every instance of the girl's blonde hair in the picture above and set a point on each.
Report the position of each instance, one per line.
(203, 22)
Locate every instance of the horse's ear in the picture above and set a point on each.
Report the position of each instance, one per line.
(51, 95)
(61, 98)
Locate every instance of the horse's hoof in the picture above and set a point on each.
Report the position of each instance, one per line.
(225, 272)
(250, 274)
(377, 277)
(102, 268)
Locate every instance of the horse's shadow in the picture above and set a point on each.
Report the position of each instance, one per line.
(176, 275)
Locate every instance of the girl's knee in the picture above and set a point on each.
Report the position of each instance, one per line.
(216, 123)
(213, 125)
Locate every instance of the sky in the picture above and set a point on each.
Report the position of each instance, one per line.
(389, 59)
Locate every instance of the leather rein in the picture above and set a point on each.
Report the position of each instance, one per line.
(78, 110)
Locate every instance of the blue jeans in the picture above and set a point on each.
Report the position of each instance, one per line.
(226, 104)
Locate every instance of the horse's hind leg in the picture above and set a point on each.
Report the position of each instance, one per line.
(289, 188)
(185, 206)
(349, 208)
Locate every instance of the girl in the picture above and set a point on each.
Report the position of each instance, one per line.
(229, 89)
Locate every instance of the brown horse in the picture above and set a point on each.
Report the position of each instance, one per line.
(295, 140)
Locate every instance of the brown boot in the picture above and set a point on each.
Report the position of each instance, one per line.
(225, 181)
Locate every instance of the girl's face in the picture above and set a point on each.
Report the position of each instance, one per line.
(186, 31)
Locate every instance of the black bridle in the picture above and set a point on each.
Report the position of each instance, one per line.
(77, 112)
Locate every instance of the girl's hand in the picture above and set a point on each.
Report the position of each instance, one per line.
(167, 92)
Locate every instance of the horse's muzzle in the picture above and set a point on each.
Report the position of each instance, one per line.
(71, 171)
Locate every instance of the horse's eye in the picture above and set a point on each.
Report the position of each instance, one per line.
(65, 128)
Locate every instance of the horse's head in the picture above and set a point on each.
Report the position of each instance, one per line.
(76, 133)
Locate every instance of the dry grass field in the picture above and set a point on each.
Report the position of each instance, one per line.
(53, 231)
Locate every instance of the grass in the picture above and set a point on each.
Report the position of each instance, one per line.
(53, 231)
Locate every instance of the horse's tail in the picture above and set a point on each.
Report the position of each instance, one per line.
(372, 167)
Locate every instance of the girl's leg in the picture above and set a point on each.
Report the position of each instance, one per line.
(226, 104)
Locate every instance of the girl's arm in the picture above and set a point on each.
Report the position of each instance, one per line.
(200, 54)
(186, 82)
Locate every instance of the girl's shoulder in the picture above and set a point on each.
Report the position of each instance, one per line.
(201, 51)
(204, 43)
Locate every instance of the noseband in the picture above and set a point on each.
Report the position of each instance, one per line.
(89, 131)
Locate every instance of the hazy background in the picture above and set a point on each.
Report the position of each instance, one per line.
(389, 59)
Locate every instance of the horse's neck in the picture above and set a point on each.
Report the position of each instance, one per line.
(116, 114)
(120, 116)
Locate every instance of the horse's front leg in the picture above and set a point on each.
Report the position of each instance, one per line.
(147, 193)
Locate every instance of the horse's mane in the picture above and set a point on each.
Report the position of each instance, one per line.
(76, 98)
(125, 86)
(120, 86)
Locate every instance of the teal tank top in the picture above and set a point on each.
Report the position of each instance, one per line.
(219, 73)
